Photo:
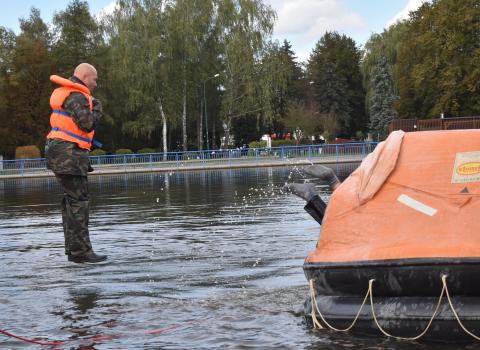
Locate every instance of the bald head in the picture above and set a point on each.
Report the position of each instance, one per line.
(88, 74)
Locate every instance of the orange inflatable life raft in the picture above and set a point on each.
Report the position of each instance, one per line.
(408, 219)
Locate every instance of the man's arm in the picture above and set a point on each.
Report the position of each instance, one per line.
(77, 106)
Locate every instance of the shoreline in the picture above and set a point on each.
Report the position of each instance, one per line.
(153, 168)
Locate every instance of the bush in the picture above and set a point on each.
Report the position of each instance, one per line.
(98, 152)
(147, 150)
(359, 136)
(123, 151)
(279, 143)
(305, 141)
(257, 144)
(27, 152)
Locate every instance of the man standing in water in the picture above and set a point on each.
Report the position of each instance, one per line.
(75, 115)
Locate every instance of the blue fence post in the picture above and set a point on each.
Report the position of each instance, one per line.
(22, 167)
(125, 163)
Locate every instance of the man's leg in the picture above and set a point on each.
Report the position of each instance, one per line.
(75, 214)
(64, 224)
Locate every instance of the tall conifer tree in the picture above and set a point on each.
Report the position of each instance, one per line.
(334, 72)
(382, 99)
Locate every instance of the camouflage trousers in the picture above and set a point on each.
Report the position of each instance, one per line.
(75, 214)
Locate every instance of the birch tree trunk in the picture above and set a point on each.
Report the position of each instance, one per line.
(200, 127)
(214, 141)
(226, 128)
(164, 128)
(184, 114)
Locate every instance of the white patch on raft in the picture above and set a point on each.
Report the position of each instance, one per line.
(416, 205)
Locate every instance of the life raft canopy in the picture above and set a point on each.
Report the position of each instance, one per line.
(415, 196)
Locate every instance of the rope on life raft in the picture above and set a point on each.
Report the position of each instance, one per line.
(318, 325)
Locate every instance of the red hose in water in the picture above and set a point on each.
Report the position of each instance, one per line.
(32, 341)
(96, 339)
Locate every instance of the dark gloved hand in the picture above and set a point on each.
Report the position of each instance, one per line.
(305, 191)
(324, 174)
(90, 169)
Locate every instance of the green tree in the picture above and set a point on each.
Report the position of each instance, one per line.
(438, 61)
(135, 56)
(276, 82)
(77, 37)
(300, 117)
(381, 45)
(188, 35)
(7, 45)
(252, 73)
(330, 91)
(29, 87)
(333, 69)
(381, 100)
(294, 89)
(295, 80)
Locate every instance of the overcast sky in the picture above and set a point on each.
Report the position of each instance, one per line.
(302, 22)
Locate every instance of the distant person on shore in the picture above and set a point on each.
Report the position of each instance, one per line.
(315, 205)
(75, 115)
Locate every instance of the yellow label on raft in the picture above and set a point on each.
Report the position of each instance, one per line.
(466, 168)
(470, 168)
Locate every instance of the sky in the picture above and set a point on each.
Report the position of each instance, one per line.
(302, 22)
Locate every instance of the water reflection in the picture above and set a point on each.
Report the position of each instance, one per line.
(84, 300)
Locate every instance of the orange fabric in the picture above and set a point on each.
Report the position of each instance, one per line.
(63, 122)
(367, 220)
(377, 167)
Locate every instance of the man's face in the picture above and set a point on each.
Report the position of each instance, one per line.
(91, 81)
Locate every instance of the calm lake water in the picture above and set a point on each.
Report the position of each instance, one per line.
(200, 260)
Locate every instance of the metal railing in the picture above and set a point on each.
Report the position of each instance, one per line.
(434, 124)
(202, 159)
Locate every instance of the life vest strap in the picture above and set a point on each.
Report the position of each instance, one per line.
(58, 111)
(81, 138)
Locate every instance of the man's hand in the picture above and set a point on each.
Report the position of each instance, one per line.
(97, 112)
(97, 105)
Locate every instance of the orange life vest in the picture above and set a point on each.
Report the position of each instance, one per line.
(63, 126)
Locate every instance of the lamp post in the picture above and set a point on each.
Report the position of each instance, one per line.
(205, 106)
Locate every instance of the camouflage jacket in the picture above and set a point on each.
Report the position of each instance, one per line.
(64, 157)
